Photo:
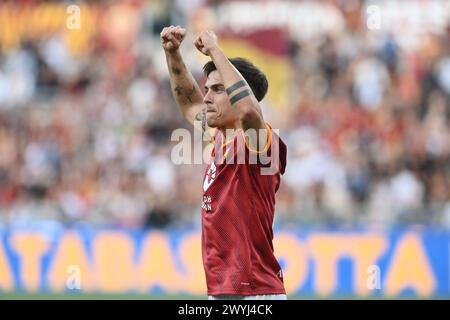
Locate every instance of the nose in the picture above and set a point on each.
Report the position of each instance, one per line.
(208, 97)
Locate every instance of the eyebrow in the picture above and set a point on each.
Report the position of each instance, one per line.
(215, 86)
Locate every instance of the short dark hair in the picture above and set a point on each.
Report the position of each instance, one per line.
(255, 78)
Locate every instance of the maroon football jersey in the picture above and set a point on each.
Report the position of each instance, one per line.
(237, 217)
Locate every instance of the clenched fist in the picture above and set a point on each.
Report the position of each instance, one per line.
(171, 38)
(206, 42)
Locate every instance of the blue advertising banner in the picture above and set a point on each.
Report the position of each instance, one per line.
(411, 262)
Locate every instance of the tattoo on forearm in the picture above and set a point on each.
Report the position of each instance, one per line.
(240, 96)
(201, 116)
(176, 71)
(235, 86)
(178, 90)
(190, 93)
(184, 93)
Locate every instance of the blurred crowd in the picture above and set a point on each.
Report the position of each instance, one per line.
(88, 138)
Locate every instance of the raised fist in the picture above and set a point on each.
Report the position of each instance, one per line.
(206, 42)
(171, 37)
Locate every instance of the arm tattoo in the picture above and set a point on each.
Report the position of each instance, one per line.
(178, 90)
(189, 93)
(176, 71)
(235, 86)
(201, 116)
(239, 96)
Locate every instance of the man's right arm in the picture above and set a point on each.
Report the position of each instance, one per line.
(185, 89)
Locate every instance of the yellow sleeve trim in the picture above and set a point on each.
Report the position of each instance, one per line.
(269, 141)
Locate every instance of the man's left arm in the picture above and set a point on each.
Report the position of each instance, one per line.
(239, 92)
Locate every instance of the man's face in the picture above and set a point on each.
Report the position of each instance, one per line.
(219, 112)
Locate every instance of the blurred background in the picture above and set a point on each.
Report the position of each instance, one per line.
(90, 201)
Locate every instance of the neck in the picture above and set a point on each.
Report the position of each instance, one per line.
(230, 132)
